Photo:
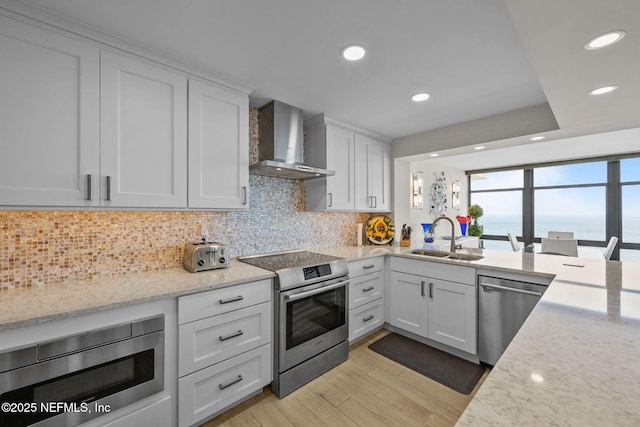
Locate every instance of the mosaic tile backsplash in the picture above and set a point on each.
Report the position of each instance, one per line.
(43, 247)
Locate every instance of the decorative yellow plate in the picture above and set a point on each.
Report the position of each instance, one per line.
(380, 230)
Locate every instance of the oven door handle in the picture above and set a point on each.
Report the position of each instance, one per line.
(315, 291)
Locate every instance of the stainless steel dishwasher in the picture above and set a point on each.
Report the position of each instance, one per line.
(503, 306)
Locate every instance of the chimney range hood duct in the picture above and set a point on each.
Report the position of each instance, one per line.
(282, 144)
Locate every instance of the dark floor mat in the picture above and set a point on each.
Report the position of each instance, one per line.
(449, 370)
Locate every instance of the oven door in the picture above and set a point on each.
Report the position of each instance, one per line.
(312, 319)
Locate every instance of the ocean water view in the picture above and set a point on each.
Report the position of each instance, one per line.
(584, 227)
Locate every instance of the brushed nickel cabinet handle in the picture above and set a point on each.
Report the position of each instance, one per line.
(430, 289)
(366, 267)
(369, 317)
(234, 299)
(230, 383)
(330, 199)
(375, 202)
(233, 335)
(108, 198)
(89, 195)
(422, 288)
(370, 288)
(244, 195)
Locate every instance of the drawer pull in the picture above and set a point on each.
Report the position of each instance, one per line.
(369, 317)
(234, 299)
(366, 267)
(233, 335)
(230, 383)
(370, 288)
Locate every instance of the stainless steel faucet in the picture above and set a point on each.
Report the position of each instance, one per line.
(453, 231)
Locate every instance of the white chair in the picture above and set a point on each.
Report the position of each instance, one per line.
(514, 242)
(567, 247)
(560, 234)
(613, 241)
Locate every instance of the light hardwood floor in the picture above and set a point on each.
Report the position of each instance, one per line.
(366, 390)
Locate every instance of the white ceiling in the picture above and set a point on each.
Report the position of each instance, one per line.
(476, 58)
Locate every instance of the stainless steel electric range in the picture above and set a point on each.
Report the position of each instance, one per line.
(311, 294)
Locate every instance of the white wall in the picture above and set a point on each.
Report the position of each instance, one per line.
(404, 213)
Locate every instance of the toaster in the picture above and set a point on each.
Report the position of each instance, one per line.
(205, 256)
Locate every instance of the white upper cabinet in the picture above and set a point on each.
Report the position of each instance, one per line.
(49, 118)
(143, 134)
(361, 164)
(372, 171)
(330, 147)
(218, 147)
(340, 152)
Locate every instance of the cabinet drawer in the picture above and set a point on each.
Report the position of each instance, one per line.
(214, 339)
(206, 304)
(365, 266)
(366, 288)
(365, 319)
(206, 392)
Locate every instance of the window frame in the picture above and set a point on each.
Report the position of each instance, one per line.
(613, 199)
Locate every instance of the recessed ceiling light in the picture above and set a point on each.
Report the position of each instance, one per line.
(479, 147)
(605, 40)
(603, 90)
(433, 155)
(537, 138)
(420, 97)
(353, 52)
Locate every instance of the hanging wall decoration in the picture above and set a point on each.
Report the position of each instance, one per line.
(439, 195)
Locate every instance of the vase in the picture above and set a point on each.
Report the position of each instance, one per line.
(463, 229)
(428, 237)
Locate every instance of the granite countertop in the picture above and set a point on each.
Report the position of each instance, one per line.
(31, 305)
(575, 359)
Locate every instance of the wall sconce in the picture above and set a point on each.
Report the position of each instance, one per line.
(417, 190)
(455, 195)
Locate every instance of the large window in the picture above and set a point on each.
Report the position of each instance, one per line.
(594, 199)
(500, 195)
(571, 198)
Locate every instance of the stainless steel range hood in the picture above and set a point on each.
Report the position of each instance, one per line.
(282, 144)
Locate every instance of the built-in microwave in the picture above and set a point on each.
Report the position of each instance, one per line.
(70, 380)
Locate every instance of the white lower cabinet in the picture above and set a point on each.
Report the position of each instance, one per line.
(208, 391)
(224, 352)
(365, 319)
(366, 292)
(436, 301)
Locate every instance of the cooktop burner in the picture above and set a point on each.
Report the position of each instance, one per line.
(286, 260)
(298, 267)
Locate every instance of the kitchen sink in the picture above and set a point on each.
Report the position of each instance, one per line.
(431, 252)
(448, 255)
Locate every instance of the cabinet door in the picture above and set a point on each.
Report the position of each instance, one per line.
(379, 179)
(218, 147)
(452, 314)
(340, 187)
(363, 199)
(49, 118)
(372, 169)
(143, 134)
(407, 303)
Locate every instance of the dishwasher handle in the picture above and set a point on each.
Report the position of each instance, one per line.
(509, 289)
